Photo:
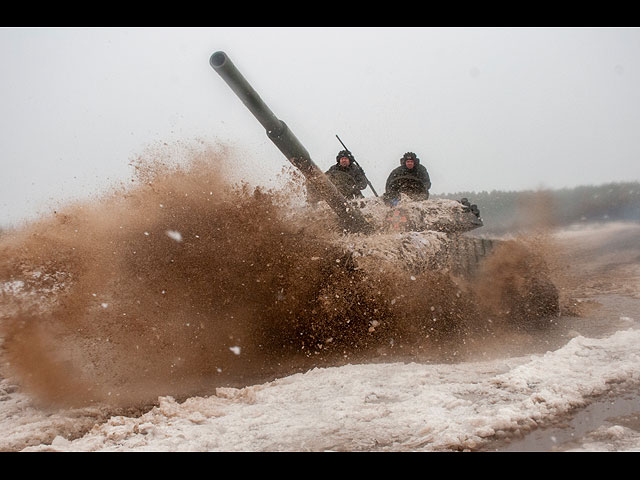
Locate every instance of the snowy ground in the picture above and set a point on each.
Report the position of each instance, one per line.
(525, 395)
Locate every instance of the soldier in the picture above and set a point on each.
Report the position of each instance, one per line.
(347, 176)
(410, 178)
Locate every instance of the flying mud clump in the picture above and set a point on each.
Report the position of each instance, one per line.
(185, 282)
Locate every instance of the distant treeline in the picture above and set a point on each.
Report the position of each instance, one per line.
(507, 211)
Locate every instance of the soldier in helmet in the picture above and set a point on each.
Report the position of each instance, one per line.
(347, 176)
(410, 178)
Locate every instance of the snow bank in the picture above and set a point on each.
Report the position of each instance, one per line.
(380, 407)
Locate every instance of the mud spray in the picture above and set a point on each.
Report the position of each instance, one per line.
(184, 282)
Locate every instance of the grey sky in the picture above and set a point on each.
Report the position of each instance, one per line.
(484, 108)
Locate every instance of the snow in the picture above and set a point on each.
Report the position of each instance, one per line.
(174, 235)
(375, 407)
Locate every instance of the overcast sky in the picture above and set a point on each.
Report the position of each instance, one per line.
(484, 108)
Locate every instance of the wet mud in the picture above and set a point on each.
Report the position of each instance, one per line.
(184, 281)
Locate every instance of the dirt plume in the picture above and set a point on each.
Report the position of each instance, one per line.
(185, 281)
(515, 284)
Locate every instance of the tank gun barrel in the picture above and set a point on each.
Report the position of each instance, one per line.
(288, 144)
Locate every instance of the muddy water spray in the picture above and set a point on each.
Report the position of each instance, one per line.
(184, 282)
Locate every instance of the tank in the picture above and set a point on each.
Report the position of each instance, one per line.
(431, 235)
(421, 234)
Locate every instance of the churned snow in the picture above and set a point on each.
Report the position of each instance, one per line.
(375, 407)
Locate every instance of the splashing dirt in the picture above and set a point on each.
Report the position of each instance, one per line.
(185, 282)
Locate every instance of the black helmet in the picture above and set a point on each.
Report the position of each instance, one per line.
(344, 153)
(408, 155)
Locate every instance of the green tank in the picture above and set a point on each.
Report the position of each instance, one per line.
(426, 234)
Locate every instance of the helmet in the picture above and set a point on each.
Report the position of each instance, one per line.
(344, 153)
(408, 155)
